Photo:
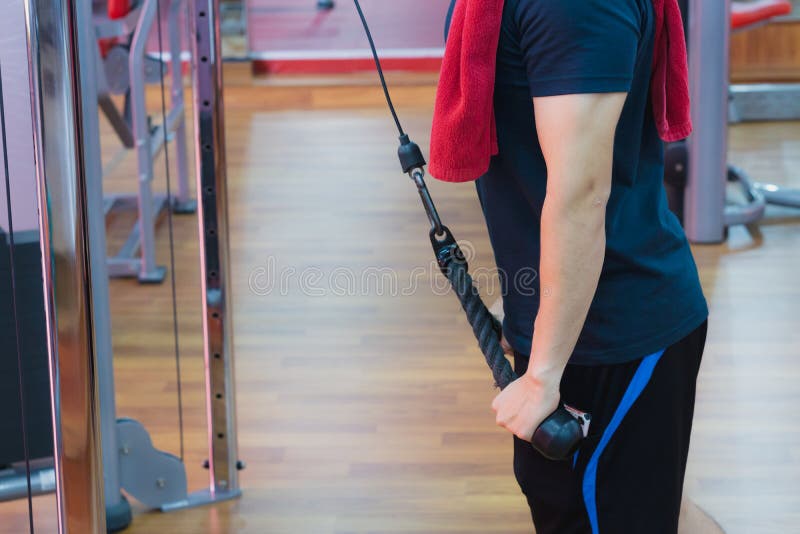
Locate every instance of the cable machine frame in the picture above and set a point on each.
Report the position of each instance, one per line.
(63, 98)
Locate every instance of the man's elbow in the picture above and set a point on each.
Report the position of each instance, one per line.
(597, 192)
(581, 194)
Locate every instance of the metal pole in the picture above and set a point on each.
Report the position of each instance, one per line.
(67, 273)
(183, 201)
(214, 256)
(118, 510)
(704, 201)
(148, 212)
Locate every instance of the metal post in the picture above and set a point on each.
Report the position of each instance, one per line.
(214, 261)
(67, 273)
(704, 201)
(183, 202)
(118, 510)
(148, 210)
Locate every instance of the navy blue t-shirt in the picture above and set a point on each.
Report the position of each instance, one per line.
(649, 294)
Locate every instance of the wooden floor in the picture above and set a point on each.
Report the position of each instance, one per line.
(365, 408)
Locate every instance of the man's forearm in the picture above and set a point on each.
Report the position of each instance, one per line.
(573, 247)
(576, 134)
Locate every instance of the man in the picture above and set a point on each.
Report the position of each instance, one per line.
(616, 326)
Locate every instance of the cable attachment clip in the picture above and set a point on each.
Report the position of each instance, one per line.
(418, 175)
(447, 251)
(413, 163)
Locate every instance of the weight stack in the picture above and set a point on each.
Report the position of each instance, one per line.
(30, 320)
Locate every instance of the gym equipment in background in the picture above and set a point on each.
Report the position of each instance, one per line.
(560, 434)
(775, 101)
(696, 171)
(762, 101)
(68, 183)
(233, 25)
(155, 478)
(124, 69)
(29, 321)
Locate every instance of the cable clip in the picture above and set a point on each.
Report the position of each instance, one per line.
(447, 250)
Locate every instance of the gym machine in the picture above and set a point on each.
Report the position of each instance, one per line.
(762, 101)
(122, 31)
(696, 170)
(775, 101)
(74, 323)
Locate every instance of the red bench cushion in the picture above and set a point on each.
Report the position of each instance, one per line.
(744, 14)
(118, 8)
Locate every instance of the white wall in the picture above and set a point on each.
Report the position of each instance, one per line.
(19, 128)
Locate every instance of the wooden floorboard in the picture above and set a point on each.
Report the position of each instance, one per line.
(369, 411)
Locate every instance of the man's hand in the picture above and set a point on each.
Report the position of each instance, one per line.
(525, 403)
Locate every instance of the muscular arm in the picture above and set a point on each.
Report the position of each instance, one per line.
(576, 133)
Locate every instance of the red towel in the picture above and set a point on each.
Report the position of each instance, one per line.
(464, 137)
(669, 86)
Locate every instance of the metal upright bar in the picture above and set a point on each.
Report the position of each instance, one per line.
(118, 510)
(148, 271)
(704, 201)
(706, 214)
(67, 271)
(183, 199)
(214, 241)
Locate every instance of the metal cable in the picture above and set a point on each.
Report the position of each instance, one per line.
(12, 270)
(380, 69)
(164, 125)
(485, 327)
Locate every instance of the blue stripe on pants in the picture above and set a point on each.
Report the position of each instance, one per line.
(639, 381)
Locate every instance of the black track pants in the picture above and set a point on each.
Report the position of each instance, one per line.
(627, 477)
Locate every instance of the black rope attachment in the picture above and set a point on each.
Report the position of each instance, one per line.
(486, 328)
(560, 434)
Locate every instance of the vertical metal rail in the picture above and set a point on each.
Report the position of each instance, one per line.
(118, 510)
(183, 201)
(704, 200)
(706, 215)
(214, 252)
(148, 211)
(61, 191)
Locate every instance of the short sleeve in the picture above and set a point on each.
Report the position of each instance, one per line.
(579, 46)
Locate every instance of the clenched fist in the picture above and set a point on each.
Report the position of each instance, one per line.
(525, 403)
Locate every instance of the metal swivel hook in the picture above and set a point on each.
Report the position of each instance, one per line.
(418, 175)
